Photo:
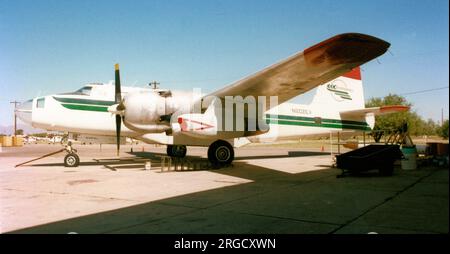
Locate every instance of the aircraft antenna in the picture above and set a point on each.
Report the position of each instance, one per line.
(154, 84)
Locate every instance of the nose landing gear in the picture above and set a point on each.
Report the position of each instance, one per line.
(71, 159)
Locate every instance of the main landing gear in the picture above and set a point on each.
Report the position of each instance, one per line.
(220, 153)
(178, 151)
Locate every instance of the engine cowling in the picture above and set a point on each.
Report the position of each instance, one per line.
(144, 111)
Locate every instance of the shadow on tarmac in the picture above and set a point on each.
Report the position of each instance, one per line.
(202, 209)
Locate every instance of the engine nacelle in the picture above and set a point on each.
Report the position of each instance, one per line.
(147, 107)
(209, 125)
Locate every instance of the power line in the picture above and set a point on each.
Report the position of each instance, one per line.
(424, 91)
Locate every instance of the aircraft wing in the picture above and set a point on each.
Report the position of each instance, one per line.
(307, 69)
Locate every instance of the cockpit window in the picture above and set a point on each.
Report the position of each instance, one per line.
(84, 90)
(40, 102)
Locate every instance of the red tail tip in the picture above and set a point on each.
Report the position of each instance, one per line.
(354, 74)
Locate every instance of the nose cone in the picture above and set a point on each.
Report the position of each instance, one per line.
(24, 111)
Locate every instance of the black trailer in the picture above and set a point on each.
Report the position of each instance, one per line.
(381, 157)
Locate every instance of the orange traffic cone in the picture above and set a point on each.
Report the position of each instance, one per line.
(322, 149)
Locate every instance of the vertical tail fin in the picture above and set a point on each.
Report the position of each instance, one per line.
(343, 93)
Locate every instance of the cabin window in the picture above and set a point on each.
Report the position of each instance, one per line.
(40, 102)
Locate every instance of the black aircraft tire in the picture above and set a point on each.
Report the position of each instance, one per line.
(178, 151)
(220, 153)
(169, 150)
(71, 160)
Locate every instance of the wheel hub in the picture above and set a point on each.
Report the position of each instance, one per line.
(222, 153)
(71, 160)
(178, 150)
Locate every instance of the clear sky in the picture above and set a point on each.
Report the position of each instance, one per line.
(57, 46)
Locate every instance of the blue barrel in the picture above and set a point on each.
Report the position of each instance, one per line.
(410, 160)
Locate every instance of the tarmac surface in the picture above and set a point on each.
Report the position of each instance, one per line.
(267, 190)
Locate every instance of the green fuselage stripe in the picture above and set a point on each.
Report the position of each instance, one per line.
(85, 104)
(85, 107)
(312, 119)
(316, 122)
(313, 124)
(84, 101)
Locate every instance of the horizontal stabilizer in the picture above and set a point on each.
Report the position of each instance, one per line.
(359, 113)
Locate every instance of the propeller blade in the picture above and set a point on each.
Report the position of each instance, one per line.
(118, 99)
(118, 126)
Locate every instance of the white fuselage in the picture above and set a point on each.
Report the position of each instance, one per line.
(86, 111)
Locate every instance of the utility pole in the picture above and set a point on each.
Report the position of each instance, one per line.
(154, 84)
(15, 117)
(442, 116)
